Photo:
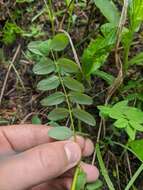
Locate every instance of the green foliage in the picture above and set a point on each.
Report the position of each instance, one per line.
(36, 120)
(81, 180)
(79, 98)
(84, 116)
(10, 31)
(137, 147)
(59, 42)
(53, 99)
(128, 118)
(60, 133)
(98, 50)
(137, 60)
(109, 10)
(50, 83)
(58, 114)
(94, 186)
(73, 84)
(135, 12)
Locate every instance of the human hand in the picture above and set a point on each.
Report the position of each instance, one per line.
(29, 159)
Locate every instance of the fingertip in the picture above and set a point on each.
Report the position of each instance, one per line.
(91, 171)
(88, 147)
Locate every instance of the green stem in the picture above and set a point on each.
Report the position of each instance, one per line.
(67, 98)
(135, 176)
(75, 178)
(103, 169)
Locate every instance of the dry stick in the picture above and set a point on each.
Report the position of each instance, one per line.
(7, 74)
(118, 81)
(73, 49)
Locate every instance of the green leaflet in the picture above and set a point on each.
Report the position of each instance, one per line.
(67, 65)
(94, 186)
(59, 42)
(84, 116)
(36, 120)
(40, 47)
(44, 66)
(137, 147)
(60, 133)
(73, 84)
(58, 114)
(50, 83)
(53, 99)
(79, 98)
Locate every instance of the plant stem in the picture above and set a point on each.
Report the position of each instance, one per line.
(103, 168)
(67, 98)
(135, 176)
(75, 178)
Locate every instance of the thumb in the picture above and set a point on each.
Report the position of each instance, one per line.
(38, 165)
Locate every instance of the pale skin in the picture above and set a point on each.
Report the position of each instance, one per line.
(30, 160)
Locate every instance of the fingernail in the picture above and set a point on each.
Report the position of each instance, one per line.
(73, 152)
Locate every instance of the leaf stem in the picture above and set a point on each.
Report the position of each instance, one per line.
(67, 98)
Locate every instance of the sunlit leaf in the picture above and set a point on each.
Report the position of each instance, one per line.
(84, 116)
(137, 147)
(121, 123)
(53, 99)
(60, 133)
(109, 10)
(50, 83)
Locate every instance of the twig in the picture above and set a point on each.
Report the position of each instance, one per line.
(7, 74)
(73, 48)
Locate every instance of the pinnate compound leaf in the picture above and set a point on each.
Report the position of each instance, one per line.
(79, 98)
(53, 99)
(137, 147)
(59, 42)
(73, 84)
(94, 186)
(67, 65)
(60, 133)
(109, 10)
(50, 83)
(84, 116)
(44, 66)
(58, 114)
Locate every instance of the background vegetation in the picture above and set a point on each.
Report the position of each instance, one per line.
(77, 65)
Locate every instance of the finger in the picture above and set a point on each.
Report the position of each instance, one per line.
(86, 145)
(38, 165)
(17, 138)
(91, 171)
